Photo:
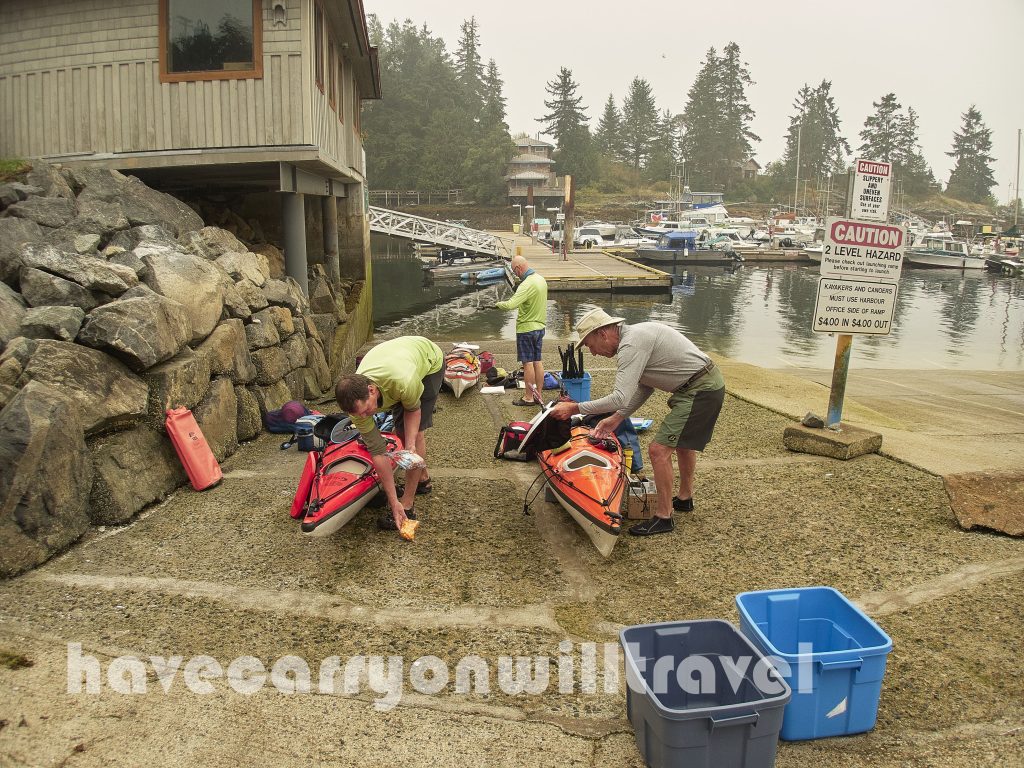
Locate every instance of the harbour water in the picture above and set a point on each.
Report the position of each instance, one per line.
(756, 314)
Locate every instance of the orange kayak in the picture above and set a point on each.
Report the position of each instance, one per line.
(589, 479)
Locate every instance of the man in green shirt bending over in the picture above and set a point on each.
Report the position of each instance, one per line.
(531, 298)
(403, 375)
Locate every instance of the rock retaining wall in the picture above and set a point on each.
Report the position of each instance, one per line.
(116, 303)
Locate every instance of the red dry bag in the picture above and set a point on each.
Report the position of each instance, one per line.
(200, 464)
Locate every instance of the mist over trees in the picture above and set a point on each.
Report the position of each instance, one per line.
(442, 125)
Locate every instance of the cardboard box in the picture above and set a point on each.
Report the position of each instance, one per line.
(640, 499)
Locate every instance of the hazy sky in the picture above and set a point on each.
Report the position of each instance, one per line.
(937, 56)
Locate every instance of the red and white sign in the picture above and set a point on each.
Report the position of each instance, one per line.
(871, 181)
(863, 250)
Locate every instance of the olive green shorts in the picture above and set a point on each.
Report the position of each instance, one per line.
(693, 413)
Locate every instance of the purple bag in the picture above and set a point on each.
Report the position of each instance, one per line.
(282, 421)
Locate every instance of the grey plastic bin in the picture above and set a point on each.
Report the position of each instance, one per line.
(701, 695)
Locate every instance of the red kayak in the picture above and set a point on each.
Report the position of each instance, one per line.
(335, 484)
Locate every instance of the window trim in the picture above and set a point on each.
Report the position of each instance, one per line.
(228, 74)
(341, 88)
(332, 74)
(319, 27)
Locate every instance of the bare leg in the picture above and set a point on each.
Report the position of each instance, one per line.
(529, 380)
(538, 375)
(412, 476)
(687, 468)
(661, 463)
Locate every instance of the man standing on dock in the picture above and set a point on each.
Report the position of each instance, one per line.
(403, 375)
(654, 356)
(531, 299)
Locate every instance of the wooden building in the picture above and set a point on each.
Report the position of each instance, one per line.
(531, 169)
(260, 95)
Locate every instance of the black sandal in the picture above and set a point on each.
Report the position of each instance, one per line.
(386, 522)
(423, 487)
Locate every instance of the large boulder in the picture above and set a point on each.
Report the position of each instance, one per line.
(52, 323)
(42, 289)
(217, 416)
(261, 332)
(316, 361)
(294, 348)
(90, 272)
(102, 390)
(141, 204)
(98, 216)
(211, 242)
(132, 469)
(181, 382)
(250, 422)
(193, 282)
(49, 180)
(50, 212)
(271, 365)
(12, 311)
(274, 257)
(45, 477)
(235, 306)
(272, 396)
(141, 329)
(245, 266)
(228, 352)
(251, 295)
(285, 293)
(14, 234)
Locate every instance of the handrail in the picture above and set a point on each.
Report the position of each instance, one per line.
(442, 233)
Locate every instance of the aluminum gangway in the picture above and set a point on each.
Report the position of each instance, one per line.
(441, 233)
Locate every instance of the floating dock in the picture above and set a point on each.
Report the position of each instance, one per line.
(590, 270)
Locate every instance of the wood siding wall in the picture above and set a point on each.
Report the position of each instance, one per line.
(82, 77)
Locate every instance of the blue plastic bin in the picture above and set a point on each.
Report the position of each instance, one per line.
(730, 720)
(578, 389)
(836, 676)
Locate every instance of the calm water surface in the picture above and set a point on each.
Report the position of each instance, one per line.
(756, 314)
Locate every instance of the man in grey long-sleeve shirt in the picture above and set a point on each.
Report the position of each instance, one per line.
(653, 356)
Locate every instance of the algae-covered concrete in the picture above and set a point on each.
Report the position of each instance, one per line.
(227, 574)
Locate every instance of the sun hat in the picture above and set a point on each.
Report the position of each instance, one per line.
(594, 319)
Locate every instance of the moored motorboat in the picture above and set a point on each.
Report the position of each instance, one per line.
(335, 484)
(943, 252)
(461, 368)
(682, 248)
(483, 275)
(588, 477)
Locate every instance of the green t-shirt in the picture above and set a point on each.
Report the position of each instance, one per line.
(397, 367)
(531, 298)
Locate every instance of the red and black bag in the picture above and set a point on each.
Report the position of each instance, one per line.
(509, 440)
(486, 362)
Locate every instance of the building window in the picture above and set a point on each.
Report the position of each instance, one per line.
(210, 40)
(318, 45)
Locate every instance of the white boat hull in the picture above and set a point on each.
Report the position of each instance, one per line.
(603, 540)
(945, 261)
(460, 385)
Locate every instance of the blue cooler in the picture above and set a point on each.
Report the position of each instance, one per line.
(837, 678)
(578, 389)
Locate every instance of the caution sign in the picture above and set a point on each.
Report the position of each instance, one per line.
(871, 180)
(860, 249)
(854, 306)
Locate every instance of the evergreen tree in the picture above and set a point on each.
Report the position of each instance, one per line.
(917, 175)
(971, 178)
(885, 132)
(815, 127)
(494, 99)
(607, 136)
(664, 149)
(488, 155)
(639, 123)
(736, 113)
(701, 145)
(468, 65)
(566, 121)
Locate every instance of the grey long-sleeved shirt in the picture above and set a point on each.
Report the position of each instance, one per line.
(650, 356)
